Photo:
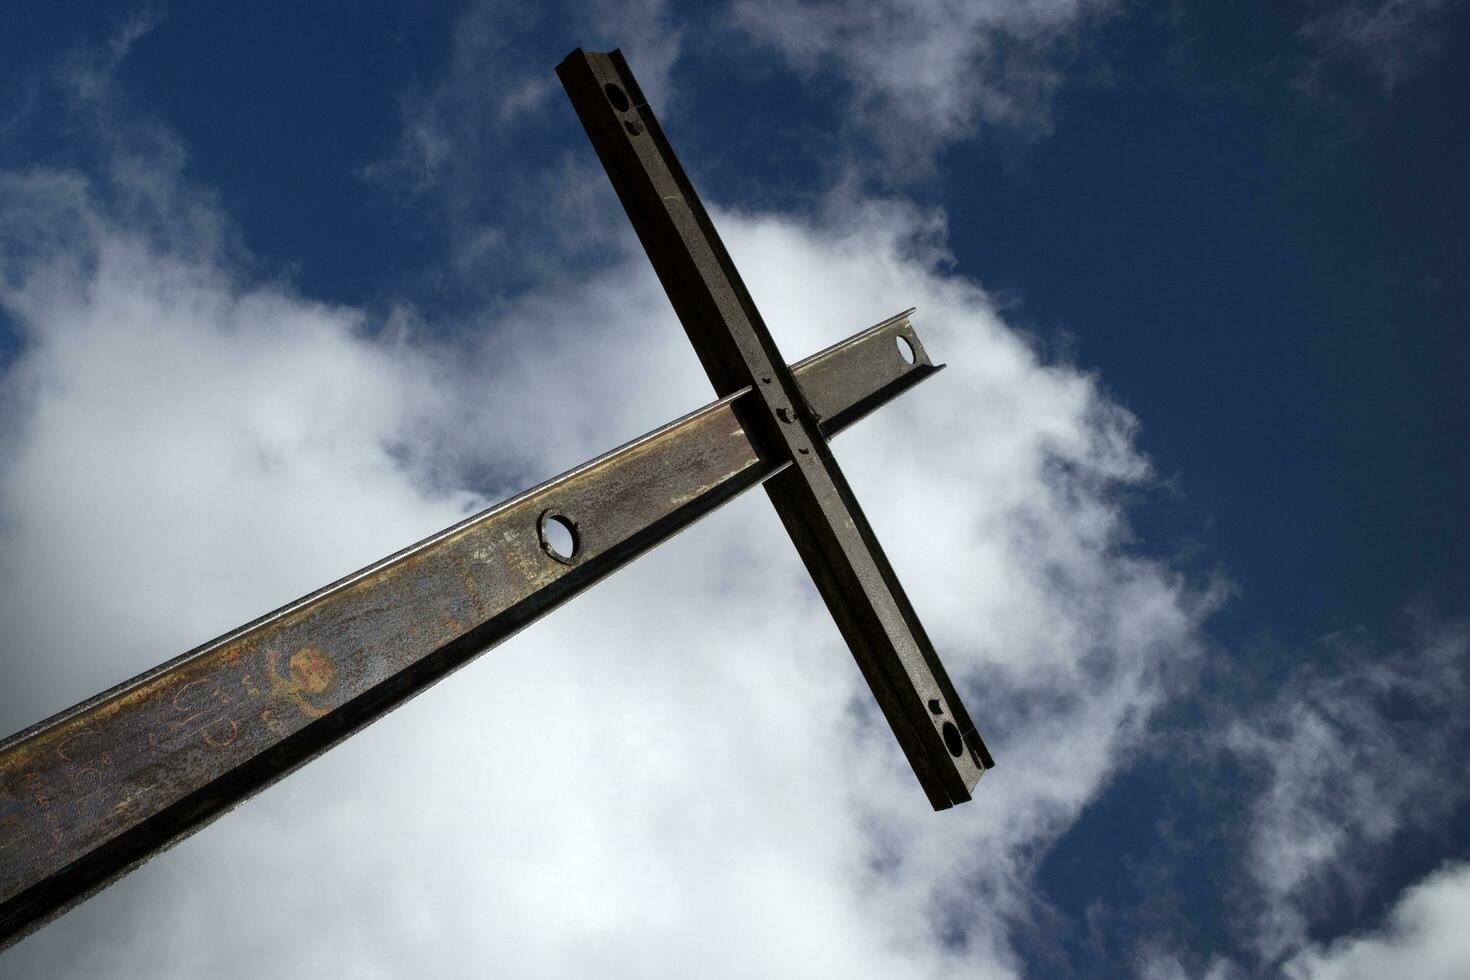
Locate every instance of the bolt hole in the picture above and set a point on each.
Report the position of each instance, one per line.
(559, 537)
(616, 96)
(633, 126)
(905, 349)
(952, 740)
(934, 707)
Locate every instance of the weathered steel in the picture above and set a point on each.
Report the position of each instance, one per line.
(813, 498)
(96, 790)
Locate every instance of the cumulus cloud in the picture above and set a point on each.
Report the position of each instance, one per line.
(127, 421)
(682, 770)
(924, 74)
(679, 771)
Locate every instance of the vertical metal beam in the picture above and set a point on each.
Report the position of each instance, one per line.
(812, 497)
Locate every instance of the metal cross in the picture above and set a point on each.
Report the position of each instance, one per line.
(90, 794)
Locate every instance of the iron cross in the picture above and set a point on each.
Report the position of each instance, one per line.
(91, 793)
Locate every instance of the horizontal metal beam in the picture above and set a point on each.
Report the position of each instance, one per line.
(97, 790)
(812, 497)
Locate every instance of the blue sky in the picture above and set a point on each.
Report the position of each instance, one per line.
(282, 287)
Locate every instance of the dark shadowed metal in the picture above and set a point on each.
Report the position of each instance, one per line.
(812, 496)
(98, 789)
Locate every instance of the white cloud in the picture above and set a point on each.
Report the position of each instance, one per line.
(496, 100)
(925, 74)
(1157, 964)
(1349, 758)
(1425, 938)
(678, 772)
(1389, 39)
(87, 71)
(158, 404)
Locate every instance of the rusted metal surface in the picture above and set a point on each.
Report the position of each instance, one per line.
(815, 503)
(89, 794)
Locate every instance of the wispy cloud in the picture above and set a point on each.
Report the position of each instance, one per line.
(506, 227)
(1388, 39)
(1311, 793)
(1425, 938)
(1351, 755)
(88, 69)
(922, 75)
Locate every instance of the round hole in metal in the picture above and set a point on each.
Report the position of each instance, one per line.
(905, 349)
(616, 96)
(952, 740)
(559, 537)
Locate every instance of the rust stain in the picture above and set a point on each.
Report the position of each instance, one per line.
(308, 671)
(311, 670)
